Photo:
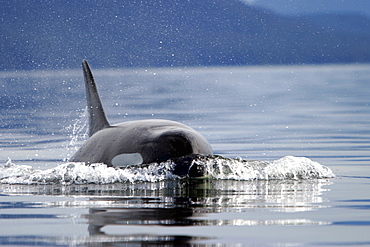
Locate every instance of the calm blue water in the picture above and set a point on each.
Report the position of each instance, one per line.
(321, 113)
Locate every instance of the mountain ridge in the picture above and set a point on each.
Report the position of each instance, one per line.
(43, 35)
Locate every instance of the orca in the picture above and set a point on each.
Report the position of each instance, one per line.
(135, 142)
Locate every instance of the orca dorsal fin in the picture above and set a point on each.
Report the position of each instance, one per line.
(97, 118)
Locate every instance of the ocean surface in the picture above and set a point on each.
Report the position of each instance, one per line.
(292, 165)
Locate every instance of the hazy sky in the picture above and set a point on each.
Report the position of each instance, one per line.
(314, 6)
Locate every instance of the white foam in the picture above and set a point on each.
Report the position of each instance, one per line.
(216, 167)
(288, 167)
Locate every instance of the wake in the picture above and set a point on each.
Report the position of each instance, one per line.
(213, 167)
